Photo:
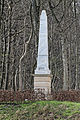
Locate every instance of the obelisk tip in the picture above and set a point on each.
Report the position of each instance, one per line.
(43, 13)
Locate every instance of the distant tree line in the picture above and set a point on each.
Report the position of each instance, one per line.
(19, 29)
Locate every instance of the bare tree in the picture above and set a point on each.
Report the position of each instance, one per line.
(9, 44)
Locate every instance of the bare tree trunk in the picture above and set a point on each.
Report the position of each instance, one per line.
(76, 44)
(3, 62)
(16, 80)
(76, 84)
(64, 51)
(8, 47)
(76, 51)
(0, 14)
(69, 52)
(13, 64)
(70, 79)
(65, 66)
(2, 43)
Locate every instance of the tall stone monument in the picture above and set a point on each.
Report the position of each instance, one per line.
(42, 77)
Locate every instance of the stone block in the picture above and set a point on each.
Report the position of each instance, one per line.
(43, 82)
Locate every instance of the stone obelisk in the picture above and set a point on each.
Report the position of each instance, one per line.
(42, 77)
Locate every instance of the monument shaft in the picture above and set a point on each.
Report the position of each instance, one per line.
(42, 60)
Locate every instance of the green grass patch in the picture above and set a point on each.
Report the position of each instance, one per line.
(40, 110)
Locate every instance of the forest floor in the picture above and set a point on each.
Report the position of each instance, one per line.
(40, 110)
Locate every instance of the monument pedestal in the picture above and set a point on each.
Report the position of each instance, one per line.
(43, 83)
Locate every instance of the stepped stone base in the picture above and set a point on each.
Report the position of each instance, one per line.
(42, 82)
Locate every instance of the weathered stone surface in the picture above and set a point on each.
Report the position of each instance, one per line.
(43, 83)
(42, 60)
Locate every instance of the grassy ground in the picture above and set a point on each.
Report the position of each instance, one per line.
(41, 110)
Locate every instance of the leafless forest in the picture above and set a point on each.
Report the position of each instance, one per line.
(19, 29)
